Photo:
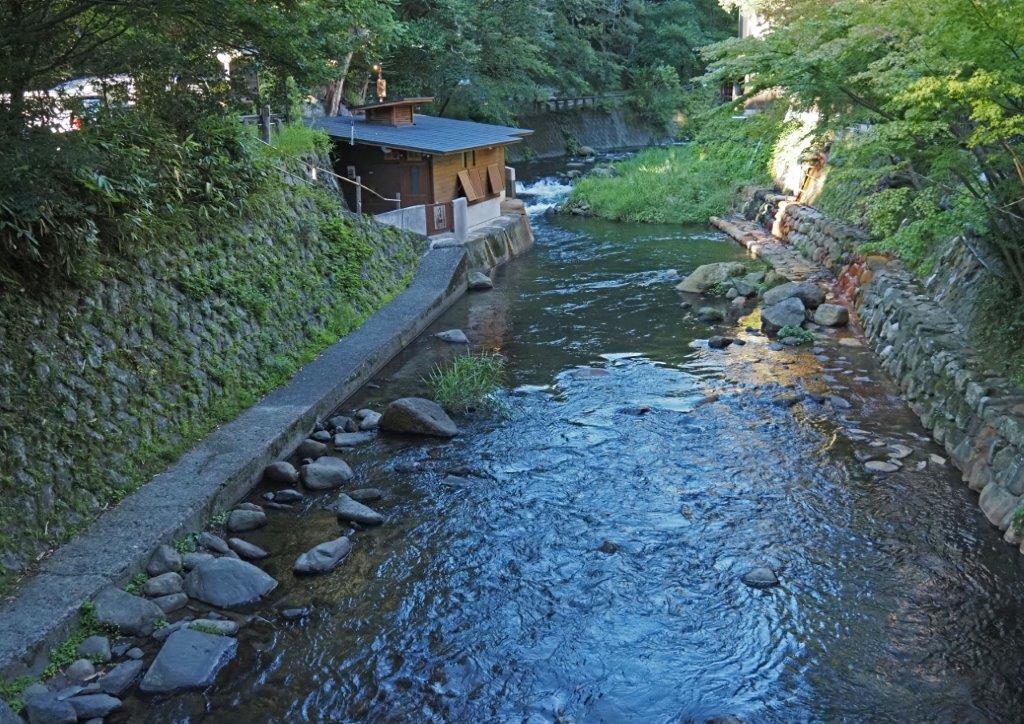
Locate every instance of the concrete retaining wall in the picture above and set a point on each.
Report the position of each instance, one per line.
(976, 414)
(226, 465)
(555, 133)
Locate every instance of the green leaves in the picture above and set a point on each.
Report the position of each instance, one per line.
(940, 89)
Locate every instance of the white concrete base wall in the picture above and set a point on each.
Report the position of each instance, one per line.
(411, 218)
(484, 211)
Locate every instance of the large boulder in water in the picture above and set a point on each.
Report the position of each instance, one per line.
(787, 312)
(326, 473)
(416, 416)
(808, 293)
(188, 660)
(708, 275)
(352, 511)
(831, 315)
(228, 583)
(324, 557)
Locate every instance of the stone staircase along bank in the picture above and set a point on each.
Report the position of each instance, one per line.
(976, 414)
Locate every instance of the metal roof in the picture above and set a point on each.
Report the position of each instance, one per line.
(427, 134)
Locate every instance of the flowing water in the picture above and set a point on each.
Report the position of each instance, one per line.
(486, 597)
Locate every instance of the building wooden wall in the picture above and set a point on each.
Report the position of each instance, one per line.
(437, 176)
(446, 171)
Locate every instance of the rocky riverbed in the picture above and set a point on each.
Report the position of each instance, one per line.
(679, 517)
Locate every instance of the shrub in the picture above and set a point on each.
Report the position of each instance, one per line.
(469, 382)
(805, 336)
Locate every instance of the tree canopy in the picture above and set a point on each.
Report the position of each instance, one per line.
(926, 99)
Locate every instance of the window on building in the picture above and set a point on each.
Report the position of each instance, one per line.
(414, 179)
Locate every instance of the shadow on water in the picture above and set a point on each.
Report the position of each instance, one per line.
(486, 598)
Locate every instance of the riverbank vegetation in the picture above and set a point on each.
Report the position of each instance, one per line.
(921, 113)
(685, 184)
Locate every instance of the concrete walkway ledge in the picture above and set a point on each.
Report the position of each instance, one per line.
(218, 471)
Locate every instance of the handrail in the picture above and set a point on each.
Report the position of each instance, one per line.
(337, 176)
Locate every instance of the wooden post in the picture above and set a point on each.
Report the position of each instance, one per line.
(398, 200)
(265, 124)
(359, 194)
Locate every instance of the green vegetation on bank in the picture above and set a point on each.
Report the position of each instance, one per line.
(685, 184)
(922, 105)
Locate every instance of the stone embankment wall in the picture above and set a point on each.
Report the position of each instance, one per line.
(103, 384)
(557, 133)
(918, 332)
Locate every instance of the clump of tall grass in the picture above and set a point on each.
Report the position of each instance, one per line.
(469, 382)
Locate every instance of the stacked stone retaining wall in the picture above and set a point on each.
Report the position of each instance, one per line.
(918, 331)
(105, 382)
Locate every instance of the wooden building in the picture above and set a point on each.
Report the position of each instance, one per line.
(408, 160)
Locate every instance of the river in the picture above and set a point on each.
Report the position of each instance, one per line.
(488, 598)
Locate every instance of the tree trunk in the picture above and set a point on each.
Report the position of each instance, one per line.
(334, 96)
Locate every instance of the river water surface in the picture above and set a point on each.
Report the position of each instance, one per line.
(486, 597)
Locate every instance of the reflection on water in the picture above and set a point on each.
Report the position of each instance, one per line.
(486, 597)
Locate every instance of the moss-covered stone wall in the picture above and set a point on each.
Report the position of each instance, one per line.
(104, 383)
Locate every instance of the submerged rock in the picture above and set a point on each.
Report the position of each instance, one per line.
(324, 557)
(188, 660)
(370, 420)
(479, 281)
(228, 583)
(242, 519)
(344, 440)
(288, 495)
(760, 577)
(247, 550)
(708, 275)
(326, 473)
(709, 315)
(881, 466)
(453, 336)
(352, 511)
(608, 547)
(417, 416)
(366, 495)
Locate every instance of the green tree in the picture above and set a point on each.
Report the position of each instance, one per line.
(934, 91)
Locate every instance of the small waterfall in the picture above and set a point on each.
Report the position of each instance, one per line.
(543, 193)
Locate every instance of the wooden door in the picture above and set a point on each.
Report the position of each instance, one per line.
(415, 183)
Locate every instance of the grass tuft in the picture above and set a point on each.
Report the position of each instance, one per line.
(469, 382)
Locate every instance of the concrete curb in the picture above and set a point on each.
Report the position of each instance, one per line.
(217, 471)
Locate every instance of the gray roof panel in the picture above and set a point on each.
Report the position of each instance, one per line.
(429, 134)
